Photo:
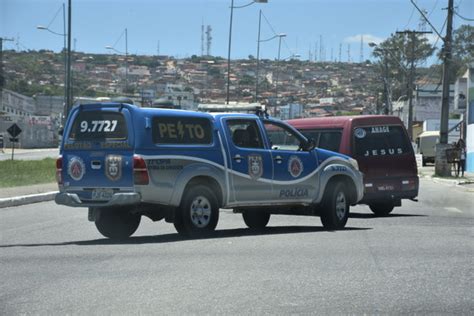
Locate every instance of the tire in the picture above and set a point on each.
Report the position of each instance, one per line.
(198, 213)
(381, 208)
(117, 223)
(335, 206)
(255, 219)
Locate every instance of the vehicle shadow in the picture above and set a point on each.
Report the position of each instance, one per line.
(169, 238)
(371, 215)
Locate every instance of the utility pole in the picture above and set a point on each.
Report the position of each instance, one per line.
(2, 76)
(441, 164)
(411, 78)
(388, 105)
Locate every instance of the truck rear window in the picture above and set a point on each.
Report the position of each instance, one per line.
(181, 130)
(98, 125)
(380, 141)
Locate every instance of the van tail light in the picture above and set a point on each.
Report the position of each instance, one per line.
(140, 172)
(409, 185)
(59, 170)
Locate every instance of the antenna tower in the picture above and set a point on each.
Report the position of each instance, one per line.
(208, 40)
(202, 38)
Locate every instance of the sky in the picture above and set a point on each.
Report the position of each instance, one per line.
(173, 27)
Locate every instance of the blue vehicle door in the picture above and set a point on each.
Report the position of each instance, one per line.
(97, 152)
(250, 164)
(294, 176)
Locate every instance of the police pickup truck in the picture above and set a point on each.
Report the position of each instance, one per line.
(124, 162)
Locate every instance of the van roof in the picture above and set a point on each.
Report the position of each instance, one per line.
(342, 121)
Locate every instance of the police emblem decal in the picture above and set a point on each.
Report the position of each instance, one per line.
(76, 168)
(255, 166)
(295, 166)
(113, 167)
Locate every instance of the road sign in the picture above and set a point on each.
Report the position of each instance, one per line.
(14, 139)
(14, 130)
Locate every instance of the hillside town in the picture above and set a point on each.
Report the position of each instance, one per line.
(289, 88)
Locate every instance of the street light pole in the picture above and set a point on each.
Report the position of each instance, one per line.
(258, 54)
(65, 53)
(69, 90)
(228, 52)
(126, 60)
(126, 56)
(278, 70)
(230, 40)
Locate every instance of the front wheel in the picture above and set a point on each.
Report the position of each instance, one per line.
(198, 213)
(382, 208)
(255, 219)
(117, 223)
(335, 206)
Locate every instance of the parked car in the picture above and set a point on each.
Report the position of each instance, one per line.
(124, 162)
(380, 145)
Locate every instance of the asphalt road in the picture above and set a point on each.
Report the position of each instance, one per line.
(417, 261)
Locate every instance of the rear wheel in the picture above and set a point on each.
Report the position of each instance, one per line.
(117, 223)
(198, 214)
(255, 219)
(381, 208)
(335, 206)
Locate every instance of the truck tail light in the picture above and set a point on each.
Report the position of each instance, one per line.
(59, 170)
(140, 172)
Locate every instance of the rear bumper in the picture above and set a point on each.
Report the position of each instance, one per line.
(394, 196)
(72, 199)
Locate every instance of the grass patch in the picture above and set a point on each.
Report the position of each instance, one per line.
(25, 172)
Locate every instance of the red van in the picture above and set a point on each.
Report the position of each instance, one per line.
(381, 146)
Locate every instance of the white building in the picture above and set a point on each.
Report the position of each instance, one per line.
(470, 119)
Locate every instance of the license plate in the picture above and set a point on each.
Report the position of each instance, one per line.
(102, 194)
(386, 188)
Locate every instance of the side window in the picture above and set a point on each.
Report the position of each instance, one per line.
(325, 139)
(245, 133)
(281, 138)
(181, 130)
(330, 140)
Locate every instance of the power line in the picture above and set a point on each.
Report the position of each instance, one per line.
(464, 18)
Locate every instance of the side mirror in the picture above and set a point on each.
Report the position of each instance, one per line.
(310, 145)
(61, 131)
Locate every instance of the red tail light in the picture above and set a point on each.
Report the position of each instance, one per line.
(59, 169)
(140, 172)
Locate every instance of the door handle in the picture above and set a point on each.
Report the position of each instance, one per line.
(278, 159)
(238, 158)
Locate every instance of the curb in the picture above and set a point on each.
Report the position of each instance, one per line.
(27, 199)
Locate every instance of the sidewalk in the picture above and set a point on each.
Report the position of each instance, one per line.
(17, 196)
(466, 182)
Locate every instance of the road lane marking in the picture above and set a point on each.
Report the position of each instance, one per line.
(453, 209)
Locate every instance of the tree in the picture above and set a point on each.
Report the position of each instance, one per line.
(396, 51)
(462, 50)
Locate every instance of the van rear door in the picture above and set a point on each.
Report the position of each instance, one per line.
(98, 152)
(385, 155)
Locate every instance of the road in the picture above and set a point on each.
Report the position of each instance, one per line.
(419, 260)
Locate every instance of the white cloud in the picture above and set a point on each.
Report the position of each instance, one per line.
(368, 38)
